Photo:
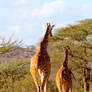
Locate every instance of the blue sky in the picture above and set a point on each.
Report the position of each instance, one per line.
(25, 19)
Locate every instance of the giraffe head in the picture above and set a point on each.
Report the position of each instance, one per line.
(69, 51)
(49, 29)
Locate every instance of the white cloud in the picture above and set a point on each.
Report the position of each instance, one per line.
(14, 29)
(21, 13)
(48, 8)
(11, 31)
(86, 6)
(17, 3)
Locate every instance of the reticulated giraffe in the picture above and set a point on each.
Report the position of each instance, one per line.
(63, 76)
(40, 66)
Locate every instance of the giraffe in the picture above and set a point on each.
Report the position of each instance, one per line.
(40, 66)
(63, 76)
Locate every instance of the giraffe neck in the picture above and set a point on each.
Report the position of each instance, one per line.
(44, 42)
(65, 63)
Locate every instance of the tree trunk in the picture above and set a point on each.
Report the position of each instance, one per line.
(86, 79)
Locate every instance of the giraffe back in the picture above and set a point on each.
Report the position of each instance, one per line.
(44, 62)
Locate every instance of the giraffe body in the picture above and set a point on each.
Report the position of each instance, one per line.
(40, 70)
(63, 76)
(64, 80)
(40, 63)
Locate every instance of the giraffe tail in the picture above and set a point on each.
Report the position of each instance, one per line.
(39, 88)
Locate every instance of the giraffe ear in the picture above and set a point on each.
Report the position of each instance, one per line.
(53, 25)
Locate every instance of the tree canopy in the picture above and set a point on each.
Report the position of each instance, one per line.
(79, 38)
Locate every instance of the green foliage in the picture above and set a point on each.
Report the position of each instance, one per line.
(11, 72)
(74, 36)
(8, 45)
(15, 75)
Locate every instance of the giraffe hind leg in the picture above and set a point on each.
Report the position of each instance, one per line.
(59, 86)
(35, 76)
(46, 86)
(39, 88)
(70, 90)
(43, 81)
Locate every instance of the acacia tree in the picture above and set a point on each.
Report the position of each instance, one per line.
(79, 38)
(8, 45)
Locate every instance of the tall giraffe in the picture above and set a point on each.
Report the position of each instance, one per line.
(40, 63)
(63, 76)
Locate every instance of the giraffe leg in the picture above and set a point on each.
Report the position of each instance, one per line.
(60, 89)
(46, 86)
(43, 81)
(70, 90)
(67, 90)
(36, 80)
(39, 89)
(59, 86)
